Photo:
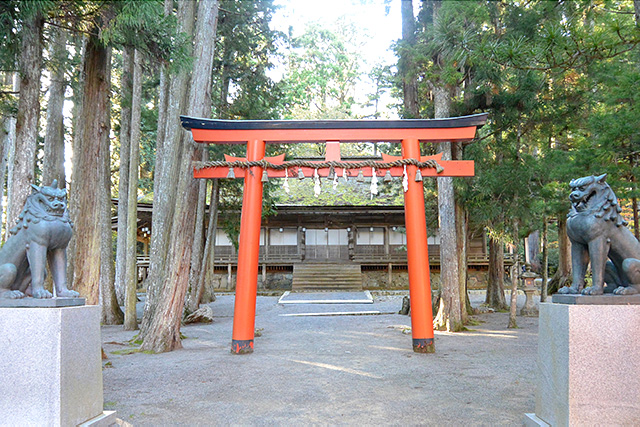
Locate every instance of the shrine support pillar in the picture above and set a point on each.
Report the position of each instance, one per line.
(417, 255)
(248, 254)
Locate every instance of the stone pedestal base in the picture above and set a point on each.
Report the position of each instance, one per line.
(51, 366)
(588, 365)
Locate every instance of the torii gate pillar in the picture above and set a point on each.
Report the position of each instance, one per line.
(248, 253)
(417, 255)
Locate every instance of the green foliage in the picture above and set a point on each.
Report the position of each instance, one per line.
(323, 69)
(142, 24)
(244, 52)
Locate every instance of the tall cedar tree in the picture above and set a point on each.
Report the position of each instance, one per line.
(164, 332)
(21, 168)
(167, 175)
(126, 90)
(131, 269)
(90, 168)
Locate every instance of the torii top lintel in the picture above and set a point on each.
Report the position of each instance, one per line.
(293, 131)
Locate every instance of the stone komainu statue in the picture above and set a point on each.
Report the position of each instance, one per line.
(42, 233)
(599, 235)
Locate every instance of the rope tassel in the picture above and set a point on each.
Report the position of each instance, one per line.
(316, 183)
(332, 173)
(374, 183)
(285, 184)
(418, 175)
(405, 180)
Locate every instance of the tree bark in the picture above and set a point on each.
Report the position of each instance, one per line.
(111, 313)
(198, 244)
(78, 132)
(53, 160)
(449, 315)
(89, 167)
(163, 99)
(636, 220)
(21, 169)
(461, 243)
(123, 182)
(164, 332)
(8, 144)
(545, 260)
(405, 65)
(495, 287)
(533, 250)
(563, 274)
(195, 297)
(131, 269)
(515, 275)
(166, 178)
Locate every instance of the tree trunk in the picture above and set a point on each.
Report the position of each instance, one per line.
(53, 160)
(78, 132)
(563, 274)
(8, 143)
(163, 99)
(405, 65)
(198, 244)
(21, 169)
(164, 332)
(449, 315)
(111, 313)
(131, 269)
(89, 167)
(461, 243)
(532, 250)
(209, 249)
(495, 287)
(166, 178)
(123, 182)
(515, 275)
(636, 221)
(545, 260)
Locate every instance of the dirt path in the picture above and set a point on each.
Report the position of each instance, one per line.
(356, 370)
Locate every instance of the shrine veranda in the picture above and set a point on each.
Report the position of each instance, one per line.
(256, 169)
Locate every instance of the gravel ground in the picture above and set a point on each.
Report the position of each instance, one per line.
(354, 370)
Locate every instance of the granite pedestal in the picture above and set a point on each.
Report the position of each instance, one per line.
(588, 365)
(50, 362)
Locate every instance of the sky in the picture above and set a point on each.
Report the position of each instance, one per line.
(379, 20)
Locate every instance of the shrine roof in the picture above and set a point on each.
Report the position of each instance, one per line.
(477, 120)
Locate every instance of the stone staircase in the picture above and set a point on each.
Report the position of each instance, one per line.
(327, 277)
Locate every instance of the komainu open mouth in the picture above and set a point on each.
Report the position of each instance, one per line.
(55, 212)
(583, 202)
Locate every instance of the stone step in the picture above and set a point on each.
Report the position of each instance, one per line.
(327, 277)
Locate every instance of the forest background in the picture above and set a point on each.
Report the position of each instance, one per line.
(92, 92)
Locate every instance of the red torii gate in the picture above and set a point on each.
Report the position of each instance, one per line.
(257, 133)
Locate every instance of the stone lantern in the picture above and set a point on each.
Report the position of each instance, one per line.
(529, 278)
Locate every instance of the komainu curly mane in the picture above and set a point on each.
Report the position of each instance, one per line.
(599, 237)
(35, 211)
(606, 203)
